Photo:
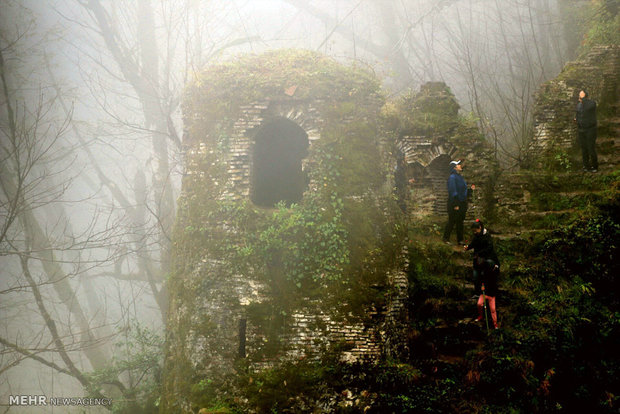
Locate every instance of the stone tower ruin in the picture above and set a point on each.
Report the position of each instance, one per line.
(284, 245)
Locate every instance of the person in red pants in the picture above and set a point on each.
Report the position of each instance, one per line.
(486, 269)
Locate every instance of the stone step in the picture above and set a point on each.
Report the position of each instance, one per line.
(545, 213)
(451, 359)
(609, 141)
(564, 201)
(451, 341)
(559, 181)
(519, 235)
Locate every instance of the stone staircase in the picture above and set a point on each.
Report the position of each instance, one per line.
(608, 143)
(443, 306)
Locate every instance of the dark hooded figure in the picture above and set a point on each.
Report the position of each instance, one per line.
(457, 202)
(585, 117)
(400, 181)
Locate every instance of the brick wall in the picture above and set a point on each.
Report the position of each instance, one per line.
(597, 72)
(227, 296)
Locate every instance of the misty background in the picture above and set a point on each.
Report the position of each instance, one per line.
(91, 146)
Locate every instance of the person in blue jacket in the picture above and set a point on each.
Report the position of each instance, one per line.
(457, 202)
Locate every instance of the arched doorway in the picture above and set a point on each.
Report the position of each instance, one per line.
(438, 172)
(277, 175)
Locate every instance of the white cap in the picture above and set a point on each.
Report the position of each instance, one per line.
(454, 163)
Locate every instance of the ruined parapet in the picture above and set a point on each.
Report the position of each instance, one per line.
(554, 129)
(286, 235)
(427, 129)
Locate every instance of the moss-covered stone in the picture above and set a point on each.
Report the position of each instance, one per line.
(214, 101)
(555, 131)
(431, 112)
(262, 273)
(427, 128)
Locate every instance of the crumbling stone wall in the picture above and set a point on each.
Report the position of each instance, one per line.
(253, 284)
(427, 129)
(554, 140)
(554, 130)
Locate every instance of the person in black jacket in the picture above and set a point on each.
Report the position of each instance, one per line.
(585, 117)
(486, 268)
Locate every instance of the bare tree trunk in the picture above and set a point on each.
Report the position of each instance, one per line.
(38, 243)
(394, 47)
(51, 325)
(135, 211)
(157, 120)
(144, 78)
(40, 247)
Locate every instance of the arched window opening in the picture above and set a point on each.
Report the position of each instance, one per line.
(279, 147)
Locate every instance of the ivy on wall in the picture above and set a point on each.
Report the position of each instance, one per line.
(330, 253)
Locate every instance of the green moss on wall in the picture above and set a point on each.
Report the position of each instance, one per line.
(214, 100)
(329, 253)
(431, 111)
(596, 70)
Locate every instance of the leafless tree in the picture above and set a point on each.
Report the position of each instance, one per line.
(493, 54)
(146, 52)
(32, 159)
(52, 170)
(100, 138)
(503, 51)
(45, 256)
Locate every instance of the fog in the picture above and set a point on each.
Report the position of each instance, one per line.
(91, 146)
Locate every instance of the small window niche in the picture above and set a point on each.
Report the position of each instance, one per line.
(277, 175)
